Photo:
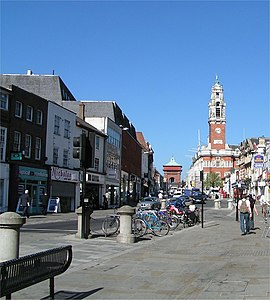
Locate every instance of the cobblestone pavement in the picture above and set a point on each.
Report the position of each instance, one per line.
(213, 262)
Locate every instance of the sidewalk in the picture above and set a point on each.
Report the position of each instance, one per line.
(214, 262)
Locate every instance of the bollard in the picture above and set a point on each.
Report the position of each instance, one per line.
(10, 224)
(217, 203)
(125, 236)
(163, 204)
(87, 230)
(230, 203)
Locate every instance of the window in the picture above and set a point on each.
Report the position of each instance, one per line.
(4, 101)
(65, 158)
(96, 164)
(97, 142)
(113, 137)
(18, 109)
(39, 117)
(3, 140)
(28, 141)
(2, 192)
(29, 113)
(57, 125)
(67, 129)
(55, 155)
(17, 141)
(38, 149)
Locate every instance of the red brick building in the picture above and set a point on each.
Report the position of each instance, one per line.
(172, 174)
(217, 156)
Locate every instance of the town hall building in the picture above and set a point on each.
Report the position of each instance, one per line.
(217, 156)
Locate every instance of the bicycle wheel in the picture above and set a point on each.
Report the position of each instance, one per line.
(138, 227)
(173, 222)
(160, 228)
(110, 225)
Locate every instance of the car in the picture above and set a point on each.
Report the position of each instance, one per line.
(150, 203)
(199, 198)
(179, 201)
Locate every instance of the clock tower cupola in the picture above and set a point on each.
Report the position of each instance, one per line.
(217, 117)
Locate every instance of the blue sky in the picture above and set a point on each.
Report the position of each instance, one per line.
(157, 59)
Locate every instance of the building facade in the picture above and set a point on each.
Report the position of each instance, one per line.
(217, 156)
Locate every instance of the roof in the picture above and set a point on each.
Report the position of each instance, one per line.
(49, 87)
(172, 162)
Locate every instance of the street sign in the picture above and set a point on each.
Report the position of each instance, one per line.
(16, 156)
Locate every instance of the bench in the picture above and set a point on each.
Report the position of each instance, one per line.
(19, 273)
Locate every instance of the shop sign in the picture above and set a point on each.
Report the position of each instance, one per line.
(258, 161)
(32, 172)
(64, 174)
(16, 156)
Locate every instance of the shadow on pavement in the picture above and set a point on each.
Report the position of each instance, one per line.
(73, 295)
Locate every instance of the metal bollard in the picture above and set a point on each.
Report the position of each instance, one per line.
(10, 224)
(126, 236)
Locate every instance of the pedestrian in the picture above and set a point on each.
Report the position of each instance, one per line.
(44, 202)
(25, 202)
(245, 214)
(105, 202)
(264, 203)
(252, 201)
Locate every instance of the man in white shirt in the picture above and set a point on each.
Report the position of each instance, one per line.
(245, 214)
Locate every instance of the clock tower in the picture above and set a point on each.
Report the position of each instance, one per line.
(217, 117)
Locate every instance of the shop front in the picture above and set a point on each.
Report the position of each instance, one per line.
(95, 189)
(65, 184)
(35, 181)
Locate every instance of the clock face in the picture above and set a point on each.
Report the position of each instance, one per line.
(218, 130)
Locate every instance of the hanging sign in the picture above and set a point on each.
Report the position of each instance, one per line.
(258, 161)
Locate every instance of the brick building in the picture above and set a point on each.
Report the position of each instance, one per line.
(217, 156)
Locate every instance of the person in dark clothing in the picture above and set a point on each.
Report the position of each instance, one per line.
(44, 201)
(25, 202)
(252, 201)
(105, 202)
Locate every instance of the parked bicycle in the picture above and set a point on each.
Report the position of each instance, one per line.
(111, 225)
(153, 223)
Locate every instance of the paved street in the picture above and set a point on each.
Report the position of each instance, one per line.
(214, 262)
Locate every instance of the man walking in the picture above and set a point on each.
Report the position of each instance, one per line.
(245, 214)
(25, 202)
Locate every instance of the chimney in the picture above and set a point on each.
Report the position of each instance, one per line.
(29, 72)
(81, 110)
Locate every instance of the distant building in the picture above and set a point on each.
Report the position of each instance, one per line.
(217, 156)
(172, 174)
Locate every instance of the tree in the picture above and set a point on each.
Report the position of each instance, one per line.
(212, 180)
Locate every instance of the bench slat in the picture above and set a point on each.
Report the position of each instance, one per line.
(17, 274)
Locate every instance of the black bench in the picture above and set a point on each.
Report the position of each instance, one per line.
(19, 273)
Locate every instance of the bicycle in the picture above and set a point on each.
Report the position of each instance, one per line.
(153, 223)
(111, 225)
(172, 220)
